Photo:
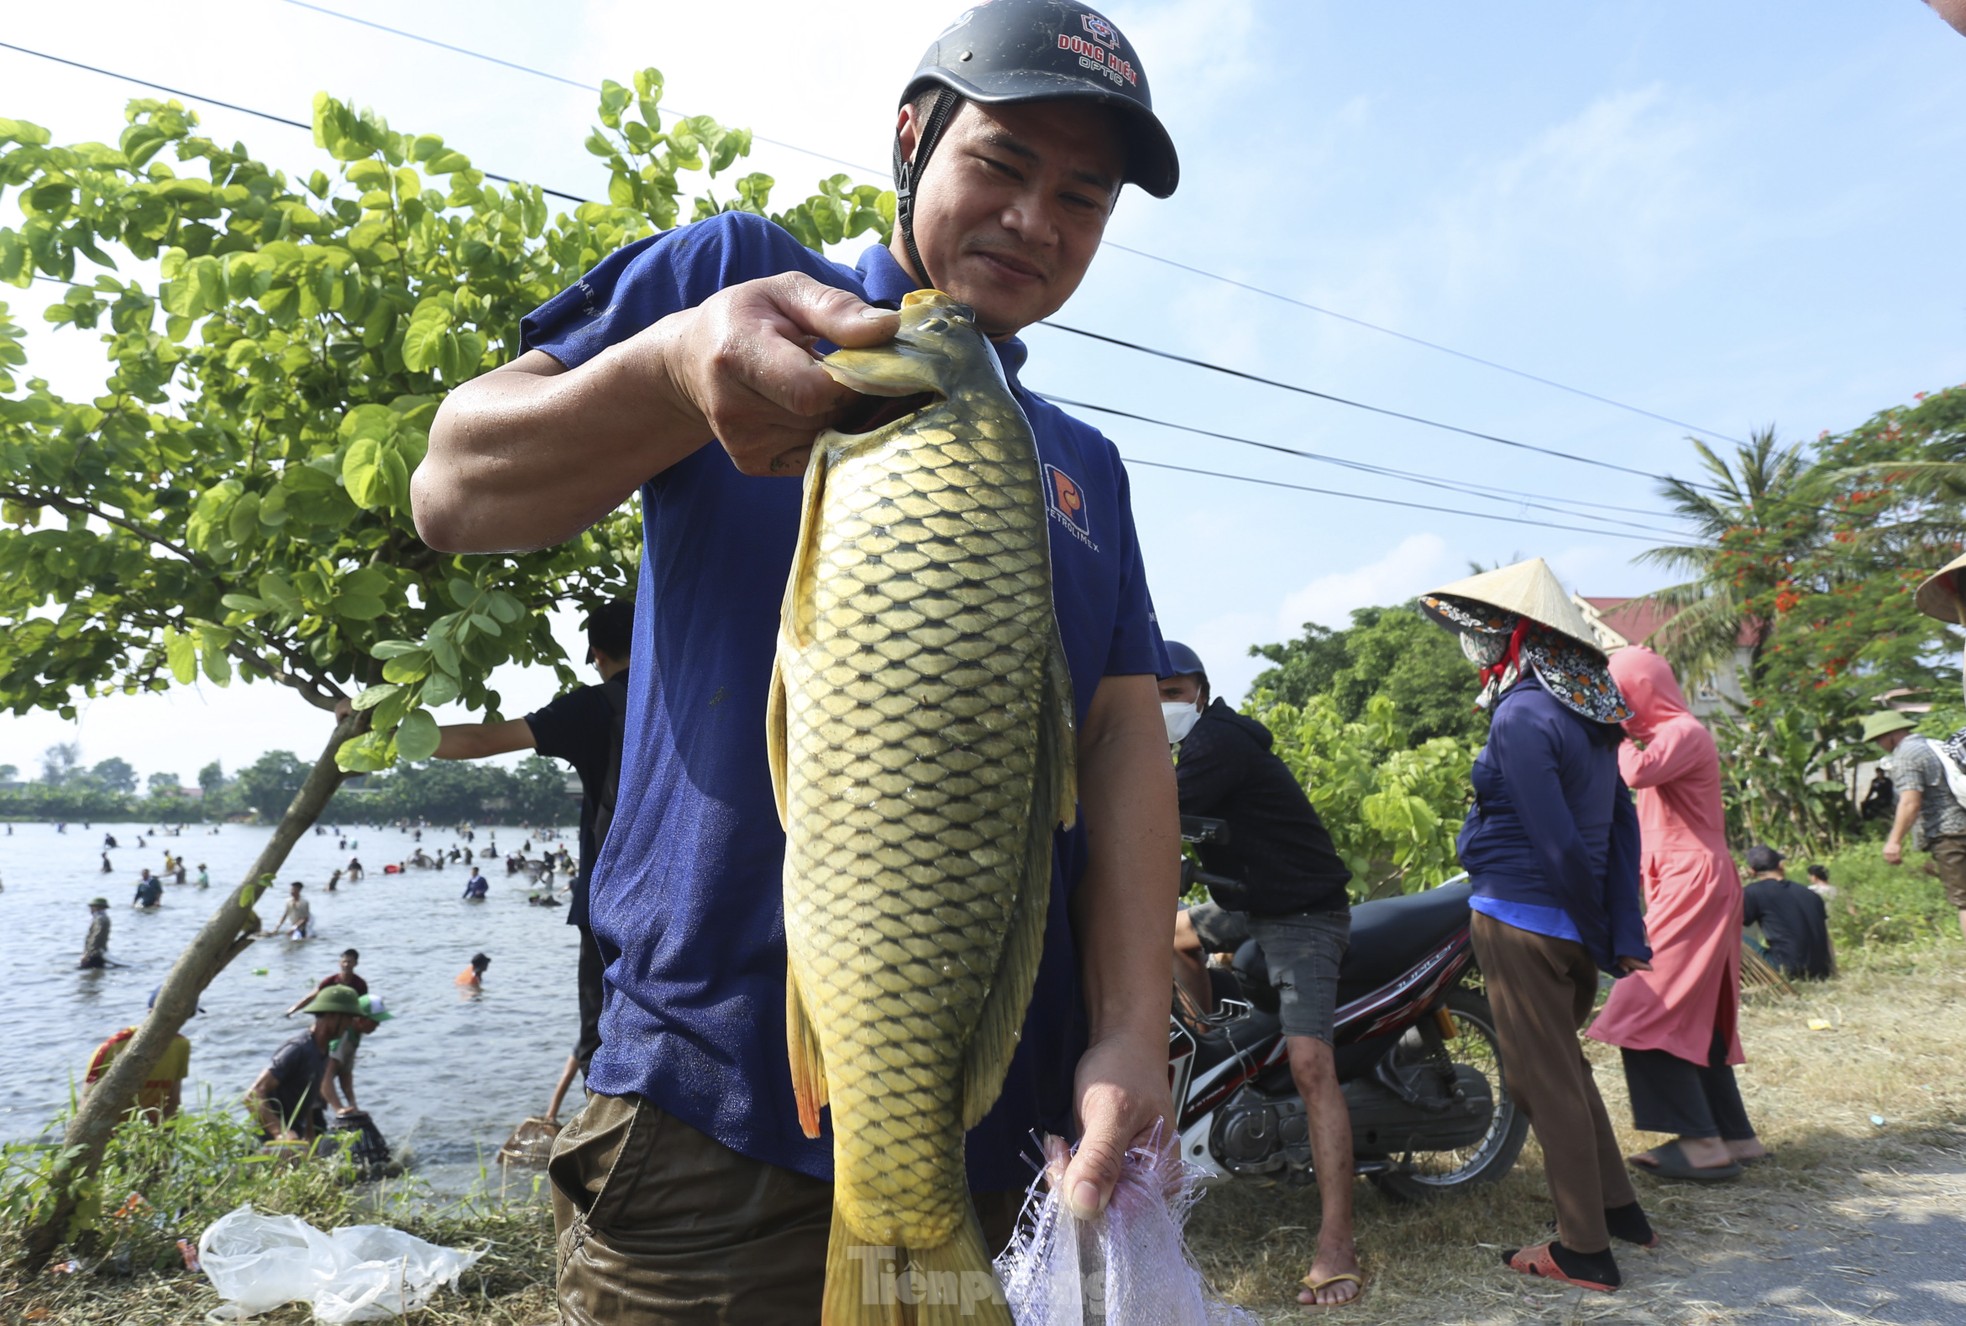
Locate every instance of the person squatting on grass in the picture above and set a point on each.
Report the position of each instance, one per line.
(1551, 848)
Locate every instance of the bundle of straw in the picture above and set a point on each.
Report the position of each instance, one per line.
(1756, 974)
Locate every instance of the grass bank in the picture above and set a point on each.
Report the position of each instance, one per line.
(1890, 1050)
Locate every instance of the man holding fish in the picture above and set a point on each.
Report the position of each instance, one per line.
(699, 1182)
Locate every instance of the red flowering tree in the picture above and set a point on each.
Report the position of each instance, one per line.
(1810, 554)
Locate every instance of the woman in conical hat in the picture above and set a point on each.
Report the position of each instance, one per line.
(1941, 597)
(1551, 849)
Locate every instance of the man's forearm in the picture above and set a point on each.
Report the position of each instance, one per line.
(529, 455)
(1125, 903)
(1909, 806)
(266, 1115)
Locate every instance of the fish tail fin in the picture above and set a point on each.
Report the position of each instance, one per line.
(808, 1062)
(947, 1285)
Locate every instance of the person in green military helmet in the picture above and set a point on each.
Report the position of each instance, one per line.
(285, 1099)
(95, 945)
(1929, 814)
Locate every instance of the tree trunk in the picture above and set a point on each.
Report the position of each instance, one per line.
(227, 934)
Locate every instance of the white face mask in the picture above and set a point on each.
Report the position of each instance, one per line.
(1180, 717)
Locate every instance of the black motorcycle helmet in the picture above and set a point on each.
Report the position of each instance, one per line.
(1182, 662)
(1007, 51)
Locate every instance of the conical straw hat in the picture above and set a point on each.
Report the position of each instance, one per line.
(1531, 589)
(1939, 595)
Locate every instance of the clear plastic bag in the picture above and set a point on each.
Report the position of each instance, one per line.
(1128, 1265)
(357, 1273)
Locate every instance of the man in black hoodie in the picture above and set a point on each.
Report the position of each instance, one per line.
(1280, 882)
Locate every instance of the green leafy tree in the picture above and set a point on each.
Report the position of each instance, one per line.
(60, 762)
(1753, 518)
(234, 500)
(1812, 554)
(161, 784)
(268, 785)
(540, 794)
(1393, 810)
(1390, 652)
(115, 774)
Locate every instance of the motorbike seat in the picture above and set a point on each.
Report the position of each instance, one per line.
(1391, 935)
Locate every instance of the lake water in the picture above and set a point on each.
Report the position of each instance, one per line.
(447, 1079)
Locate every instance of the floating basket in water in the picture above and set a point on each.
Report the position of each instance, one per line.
(530, 1144)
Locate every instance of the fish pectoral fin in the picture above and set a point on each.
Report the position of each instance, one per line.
(808, 1063)
(997, 1031)
(777, 736)
(804, 575)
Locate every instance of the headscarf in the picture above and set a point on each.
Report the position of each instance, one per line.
(1506, 646)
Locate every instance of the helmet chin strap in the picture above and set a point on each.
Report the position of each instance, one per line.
(943, 106)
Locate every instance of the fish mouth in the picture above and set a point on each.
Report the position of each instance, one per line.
(871, 413)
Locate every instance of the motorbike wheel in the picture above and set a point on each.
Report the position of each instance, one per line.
(1423, 1176)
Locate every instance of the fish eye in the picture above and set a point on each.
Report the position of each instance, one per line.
(963, 313)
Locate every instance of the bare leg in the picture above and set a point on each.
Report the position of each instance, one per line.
(1962, 920)
(1316, 1076)
(1191, 965)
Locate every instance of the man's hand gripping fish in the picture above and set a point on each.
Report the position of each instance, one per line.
(922, 749)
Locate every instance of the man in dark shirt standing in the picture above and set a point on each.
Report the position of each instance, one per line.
(583, 728)
(1289, 896)
(1792, 918)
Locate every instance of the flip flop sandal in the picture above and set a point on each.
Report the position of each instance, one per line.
(1539, 1261)
(1315, 1285)
(1670, 1162)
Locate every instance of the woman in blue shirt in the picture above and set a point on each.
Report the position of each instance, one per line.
(1551, 848)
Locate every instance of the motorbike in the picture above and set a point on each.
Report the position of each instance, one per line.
(1415, 1046)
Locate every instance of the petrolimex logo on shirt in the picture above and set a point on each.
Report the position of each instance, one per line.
(1066, 501)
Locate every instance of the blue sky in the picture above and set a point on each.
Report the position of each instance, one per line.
(1733, 215)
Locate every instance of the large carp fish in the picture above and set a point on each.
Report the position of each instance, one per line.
(922, 749)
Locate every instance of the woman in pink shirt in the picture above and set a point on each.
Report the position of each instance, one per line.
(1678, 1024)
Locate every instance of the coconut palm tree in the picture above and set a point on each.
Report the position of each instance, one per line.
(1752, 517)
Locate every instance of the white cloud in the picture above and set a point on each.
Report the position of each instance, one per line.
(1411, 567)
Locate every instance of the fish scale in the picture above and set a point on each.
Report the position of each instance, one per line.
(921, 749)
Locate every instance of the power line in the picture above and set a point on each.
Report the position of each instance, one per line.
(1112, 340)
(248, 110)
(1422, 341)
(1383, 501)
(551, 77)
(1123, 248)
(1483, 491)
(1356, 405)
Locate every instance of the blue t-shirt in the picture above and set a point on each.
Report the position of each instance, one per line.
(686, 900)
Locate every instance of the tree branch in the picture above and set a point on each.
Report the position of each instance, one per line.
(73, 507)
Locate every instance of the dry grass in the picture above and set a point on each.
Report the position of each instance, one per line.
(1896, 1040)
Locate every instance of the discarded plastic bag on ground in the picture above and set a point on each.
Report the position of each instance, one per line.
(357, 1273)
(1128, 1265)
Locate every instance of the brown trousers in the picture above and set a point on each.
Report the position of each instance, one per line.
(661, 1225)
(1541, 990)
